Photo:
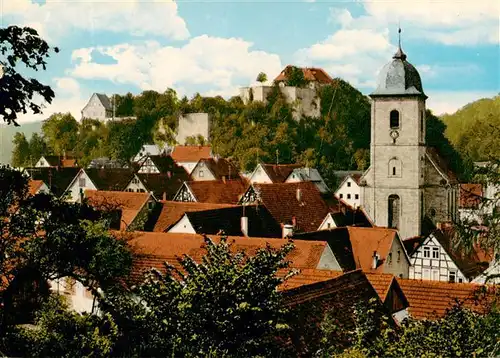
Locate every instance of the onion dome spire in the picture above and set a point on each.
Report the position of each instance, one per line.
(399, 55)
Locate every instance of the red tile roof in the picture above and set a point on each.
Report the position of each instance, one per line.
(278, 173)
(156, 248)
(281, 201)
(307, 277)
(191, 153)
(34, 186)
(130, 204)
(470, 195)
(381, 282)
(431, 299)
(172, 211)
(217, 191)
(366, 240)
(310, 74)
(220, 168)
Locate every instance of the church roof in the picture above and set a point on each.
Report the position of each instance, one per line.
(399, 78)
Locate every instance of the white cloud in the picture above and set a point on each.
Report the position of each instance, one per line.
(68, 98)
(136, 17)
(219, 63)
(352, 54)
(441, 102)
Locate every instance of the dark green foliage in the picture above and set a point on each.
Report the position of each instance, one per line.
(225, 305)
(474, 130)
(46, 238)
(22, 44)
(21, 152)
(295, 77)
(60, 132)
(261, 77)
(37, 147)
(59, 332)
(435, 137)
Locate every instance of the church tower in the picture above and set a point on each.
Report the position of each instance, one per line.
(393, 188)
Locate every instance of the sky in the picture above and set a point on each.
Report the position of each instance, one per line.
(216, 47)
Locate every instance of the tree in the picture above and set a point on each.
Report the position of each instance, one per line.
(22, 44)
(225, 305)
(295, 77)
(21, 152)
(61, 132)
(261, 77)
(38, 147)
(47, 238)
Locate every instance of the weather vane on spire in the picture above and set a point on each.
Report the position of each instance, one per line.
(399, 34)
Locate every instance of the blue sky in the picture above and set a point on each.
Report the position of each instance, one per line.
(215, 47)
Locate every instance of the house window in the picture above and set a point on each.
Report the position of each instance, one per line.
(427, 252)
(399, 255)
(349, 184)
(452, 276)
(81, 182)
(460, 280)
(201, 174)
(348, 196)
(394, 119)
(329, 225)
(150, 205)
(435, 253)
(395, 167)
(356, 196)
(393, 211)
(341, 196)
(389, 258)
(135, 181)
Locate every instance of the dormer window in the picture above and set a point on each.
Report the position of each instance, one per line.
(394, 119)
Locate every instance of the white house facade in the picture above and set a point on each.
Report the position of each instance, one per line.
(308, 174)
(430, 261)
(78, 186)
(136, 185)
(183, 226)
(98, 107)
(201, 172)
(150, 149)
(349, 191)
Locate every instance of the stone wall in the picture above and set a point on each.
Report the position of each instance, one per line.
(193, 124)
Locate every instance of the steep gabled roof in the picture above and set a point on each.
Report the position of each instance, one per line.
(60, 161)
(110, 179)
(155, 248)
(128, 203)
(163, 183)
(191, 153)
(210, 222)
(220, 168)
(164, 163)
(104, 100)
(471, 264)
(34, 186)
(353, 247)
(173, 211)
(431, 299)
(57, 179)
(471, 196)
(278, 173)
(338, 240)
(441, 165)
(281, 201)
(310, 74)
(217, 191)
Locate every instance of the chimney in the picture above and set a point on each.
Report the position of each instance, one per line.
(287, 230)
(164, 196)
(299, 195)
(375, 260)
(244, 225)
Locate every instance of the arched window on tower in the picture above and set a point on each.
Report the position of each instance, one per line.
(394, 208)
(395, 168)
(394, 119)
(422, 126)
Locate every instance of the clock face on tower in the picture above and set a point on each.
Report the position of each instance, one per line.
(394, 134)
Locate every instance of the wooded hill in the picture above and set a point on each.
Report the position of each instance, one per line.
(338, 140)
(474, 130)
